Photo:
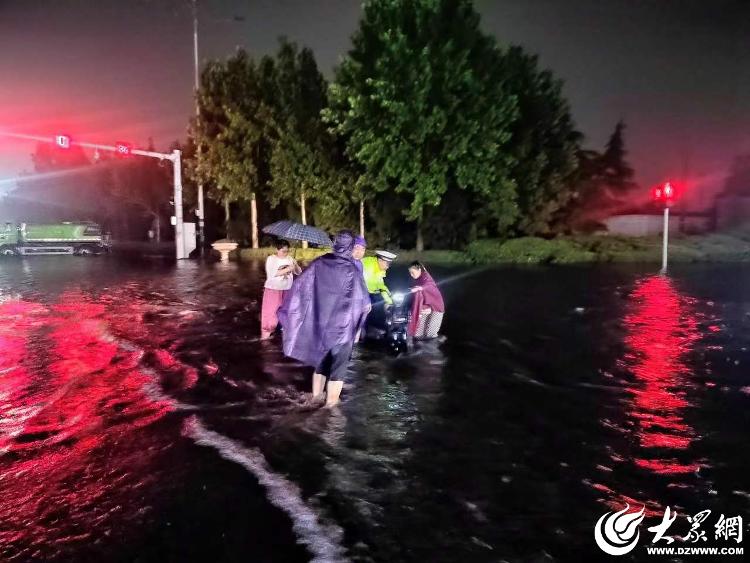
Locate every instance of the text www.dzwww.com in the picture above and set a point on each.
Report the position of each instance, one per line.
(694, 550)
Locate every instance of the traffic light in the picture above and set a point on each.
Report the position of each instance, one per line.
(62, 141)
(123, 149)
(665, 193)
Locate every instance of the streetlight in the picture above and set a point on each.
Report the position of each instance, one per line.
(665, 193)
(201, 224)
(196, 73)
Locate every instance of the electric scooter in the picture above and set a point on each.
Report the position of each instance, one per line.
(388, 327)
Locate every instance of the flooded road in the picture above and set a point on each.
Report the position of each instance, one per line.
(142, 420)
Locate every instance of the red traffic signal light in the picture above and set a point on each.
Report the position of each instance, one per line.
(62, 141)
(123, 149)
(665, 192)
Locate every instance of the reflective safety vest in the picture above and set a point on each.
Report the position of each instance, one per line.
(375, 278)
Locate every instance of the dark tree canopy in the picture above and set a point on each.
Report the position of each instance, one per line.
(423, 105)
(428, 119)
(545, 142)
(617, 171)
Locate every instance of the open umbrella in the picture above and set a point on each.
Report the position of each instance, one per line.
(297, 231)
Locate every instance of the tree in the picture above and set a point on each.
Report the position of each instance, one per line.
(388, 229)
(301, 166)
(423, 105)
(144, 183)
(544, 142)
(231, 133)
(602, 182)
(259, 131)
(452, 224)
(618, 174)
(302, 173)
(584, 209)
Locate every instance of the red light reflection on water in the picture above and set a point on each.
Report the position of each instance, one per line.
(72, 459)
(18, 319)
(661, 330)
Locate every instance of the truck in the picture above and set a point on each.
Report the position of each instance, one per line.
(80, 238)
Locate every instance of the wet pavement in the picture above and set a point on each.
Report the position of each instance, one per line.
(142, 420)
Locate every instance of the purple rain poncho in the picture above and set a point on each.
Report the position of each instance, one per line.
(326, 305)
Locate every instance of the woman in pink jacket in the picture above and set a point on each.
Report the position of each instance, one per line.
(427, 307)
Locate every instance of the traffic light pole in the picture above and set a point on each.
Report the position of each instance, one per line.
(64, 142)
(176, 157)
(665, 241)
(665, 193)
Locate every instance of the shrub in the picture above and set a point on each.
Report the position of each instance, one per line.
(530, 250)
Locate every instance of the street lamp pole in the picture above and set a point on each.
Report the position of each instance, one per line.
(201, 209)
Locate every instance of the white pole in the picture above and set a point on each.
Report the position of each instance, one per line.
(665, 241)
(201, 223)
(195, 42)
(304, 217)
(362, 217)
(178, 231)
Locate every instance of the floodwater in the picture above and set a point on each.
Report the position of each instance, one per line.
(142, 420)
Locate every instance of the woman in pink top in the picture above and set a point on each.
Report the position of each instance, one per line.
(280, 270)
(427, 308)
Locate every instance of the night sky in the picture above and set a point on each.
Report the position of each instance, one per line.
(676, 70)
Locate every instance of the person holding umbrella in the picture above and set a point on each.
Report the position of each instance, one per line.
(289, 230)
(322, 314)
(280, 269)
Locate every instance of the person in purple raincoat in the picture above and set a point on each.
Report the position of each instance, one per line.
(360, 246)
(321, 315)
